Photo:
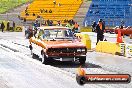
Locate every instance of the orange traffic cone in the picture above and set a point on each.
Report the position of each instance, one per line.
(119, 37)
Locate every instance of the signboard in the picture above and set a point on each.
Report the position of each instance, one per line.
(129, 50)
(122, 46)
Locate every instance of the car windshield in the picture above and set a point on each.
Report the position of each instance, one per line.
(57, 34)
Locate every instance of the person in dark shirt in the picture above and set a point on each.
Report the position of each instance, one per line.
(8, 26)
(24, 20)
(14, 25)
(46, 11)
(48, 22)
(50, 11)
(2, 26)
(100, 31)
(33, 14)
(121, 26)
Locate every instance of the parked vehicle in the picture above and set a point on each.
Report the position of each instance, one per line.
(58, 43)
(124, 30)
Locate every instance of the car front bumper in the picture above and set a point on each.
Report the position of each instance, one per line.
(66, 58)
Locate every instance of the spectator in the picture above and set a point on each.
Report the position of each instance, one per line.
(33, 14)
(92, 5)
(41, 10)
(100, 31)
(27, 8)
(65, 21)
(54, 2)
(36, 24)
(8, 26)
(76, 27)
(121, 26)
(72, 22)
(30, 31)
(46, 11)
(51, 23)
(48, 22)
(27, 14)
(2, 26)
(24, 20)
(25, 11)
(50, 11)
(59, 4)
(38, 16)
(70, 25)
(59, 24)
(94, 26)
(14, 25)
(44, 23)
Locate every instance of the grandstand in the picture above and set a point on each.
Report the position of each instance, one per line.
(113, 12)
(63, 9)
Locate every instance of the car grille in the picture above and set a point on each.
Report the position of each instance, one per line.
(64, 50)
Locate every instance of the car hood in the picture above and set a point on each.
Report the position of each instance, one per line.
(64, 44)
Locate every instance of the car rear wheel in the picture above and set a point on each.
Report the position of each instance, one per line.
(82, 60)
(44, 59)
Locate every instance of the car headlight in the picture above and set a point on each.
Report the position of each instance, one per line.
(79, 50)
(83, 50)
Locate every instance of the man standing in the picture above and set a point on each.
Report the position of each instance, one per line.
(100, 30)
(14, 26)
(2, 26)
(8, 26)
(54, 2)
(76, 26)
(59, 23)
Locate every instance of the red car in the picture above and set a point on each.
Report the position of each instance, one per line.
(57, 43)
(124, 31)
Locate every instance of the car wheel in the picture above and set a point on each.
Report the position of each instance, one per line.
(82, 60)
(44, 59)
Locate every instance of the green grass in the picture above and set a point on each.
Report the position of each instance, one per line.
(6, 5)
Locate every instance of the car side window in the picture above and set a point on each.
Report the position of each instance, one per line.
(68, 33)
(46, 34)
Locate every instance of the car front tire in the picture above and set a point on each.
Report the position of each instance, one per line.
(82, 60)
(44, 59)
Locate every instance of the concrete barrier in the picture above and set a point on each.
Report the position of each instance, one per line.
(86, 29)
(110, 47)
(85, 39)
(18, 29)
(128, 50)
